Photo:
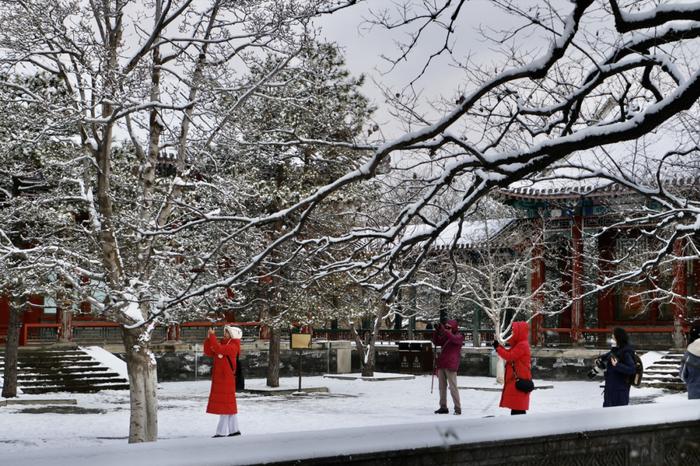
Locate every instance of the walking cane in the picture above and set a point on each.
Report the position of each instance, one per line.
(432, 381)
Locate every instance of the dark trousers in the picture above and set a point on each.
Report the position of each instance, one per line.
(513, 412)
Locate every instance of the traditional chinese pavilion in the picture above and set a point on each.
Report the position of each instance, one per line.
(583, 220)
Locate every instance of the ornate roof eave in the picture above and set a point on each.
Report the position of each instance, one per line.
(588, 191)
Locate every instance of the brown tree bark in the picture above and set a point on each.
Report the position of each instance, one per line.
(9, 388)
(273, 358)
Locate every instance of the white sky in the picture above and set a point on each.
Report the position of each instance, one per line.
(364, 46)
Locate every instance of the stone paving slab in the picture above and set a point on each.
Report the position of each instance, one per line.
(284, 390)
(498, 389)
(376, 378)
(39, 401)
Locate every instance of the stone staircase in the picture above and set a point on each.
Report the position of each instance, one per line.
(664, 372)
(63, 370)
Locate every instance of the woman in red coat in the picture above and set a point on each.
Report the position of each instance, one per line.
(519, 355)
(222, 397)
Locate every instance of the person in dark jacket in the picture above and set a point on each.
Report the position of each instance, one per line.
(690, 369)
(516, 357)
(618, 364)
(448, 337)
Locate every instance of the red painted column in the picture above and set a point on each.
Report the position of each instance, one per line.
(173, 332)
(577, 280)
(537, 278)
(679, 301)
(695, 314)
(606, 298)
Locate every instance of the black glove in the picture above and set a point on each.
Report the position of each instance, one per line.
(495, 344)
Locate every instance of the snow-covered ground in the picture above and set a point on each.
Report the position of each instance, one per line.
(350, 403)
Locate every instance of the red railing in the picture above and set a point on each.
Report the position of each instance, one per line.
(109, 332)
(610, 330)
(194, 332)
(40, 332)
(394, 335)
(596, 335)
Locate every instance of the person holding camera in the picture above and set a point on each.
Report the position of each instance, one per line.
(222, 396)
(448, 337)
(690, 369)
(517, 369)
(618, 364)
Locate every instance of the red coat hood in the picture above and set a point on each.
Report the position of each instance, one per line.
(520, 331)
(453, 325)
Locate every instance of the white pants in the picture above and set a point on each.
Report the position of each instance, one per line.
(228, 424)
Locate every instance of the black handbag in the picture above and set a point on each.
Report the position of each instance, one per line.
(238, 374)
(524, 385)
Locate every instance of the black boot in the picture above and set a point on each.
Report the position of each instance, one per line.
(442, 410)
(458, 411)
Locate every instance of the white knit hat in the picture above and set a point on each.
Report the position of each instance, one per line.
(234, 332)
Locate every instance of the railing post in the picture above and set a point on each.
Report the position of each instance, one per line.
(679, 293)
(577, 280)
(537, 278)
(476, 326)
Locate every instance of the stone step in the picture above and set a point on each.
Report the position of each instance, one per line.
(664, 362)
(51, 364)
(51, 351)
(67, 385)
(71, 376)
(69, 370)
(673, 380)
(664, 370)
(46, 371)
(39, 359)
(88, 388)
(665, 385)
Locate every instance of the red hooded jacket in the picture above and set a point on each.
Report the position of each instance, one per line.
(222, 397)
(519, 353)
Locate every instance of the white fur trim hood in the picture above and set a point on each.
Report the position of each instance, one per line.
(694, 348)
(235, 332)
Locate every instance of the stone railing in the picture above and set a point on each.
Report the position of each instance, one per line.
(642, 435)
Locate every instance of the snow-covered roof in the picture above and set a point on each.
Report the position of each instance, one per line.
(640, 160)
(570, 189)
(472, 234)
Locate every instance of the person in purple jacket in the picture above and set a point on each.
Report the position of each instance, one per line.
(448, 337)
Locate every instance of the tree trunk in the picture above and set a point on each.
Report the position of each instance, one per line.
(370, 357)
(141, 365)
(66, 335)
(9, 388)
(273, 358)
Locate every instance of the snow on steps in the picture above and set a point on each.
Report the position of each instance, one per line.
(57, 370)
(663, 372)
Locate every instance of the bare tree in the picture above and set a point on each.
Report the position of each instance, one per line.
(533, 112)
(138, 83)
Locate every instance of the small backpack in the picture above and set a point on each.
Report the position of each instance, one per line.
(636, 378)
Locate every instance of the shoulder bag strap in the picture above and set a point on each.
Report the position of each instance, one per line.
(512, 363)
(230, 364)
